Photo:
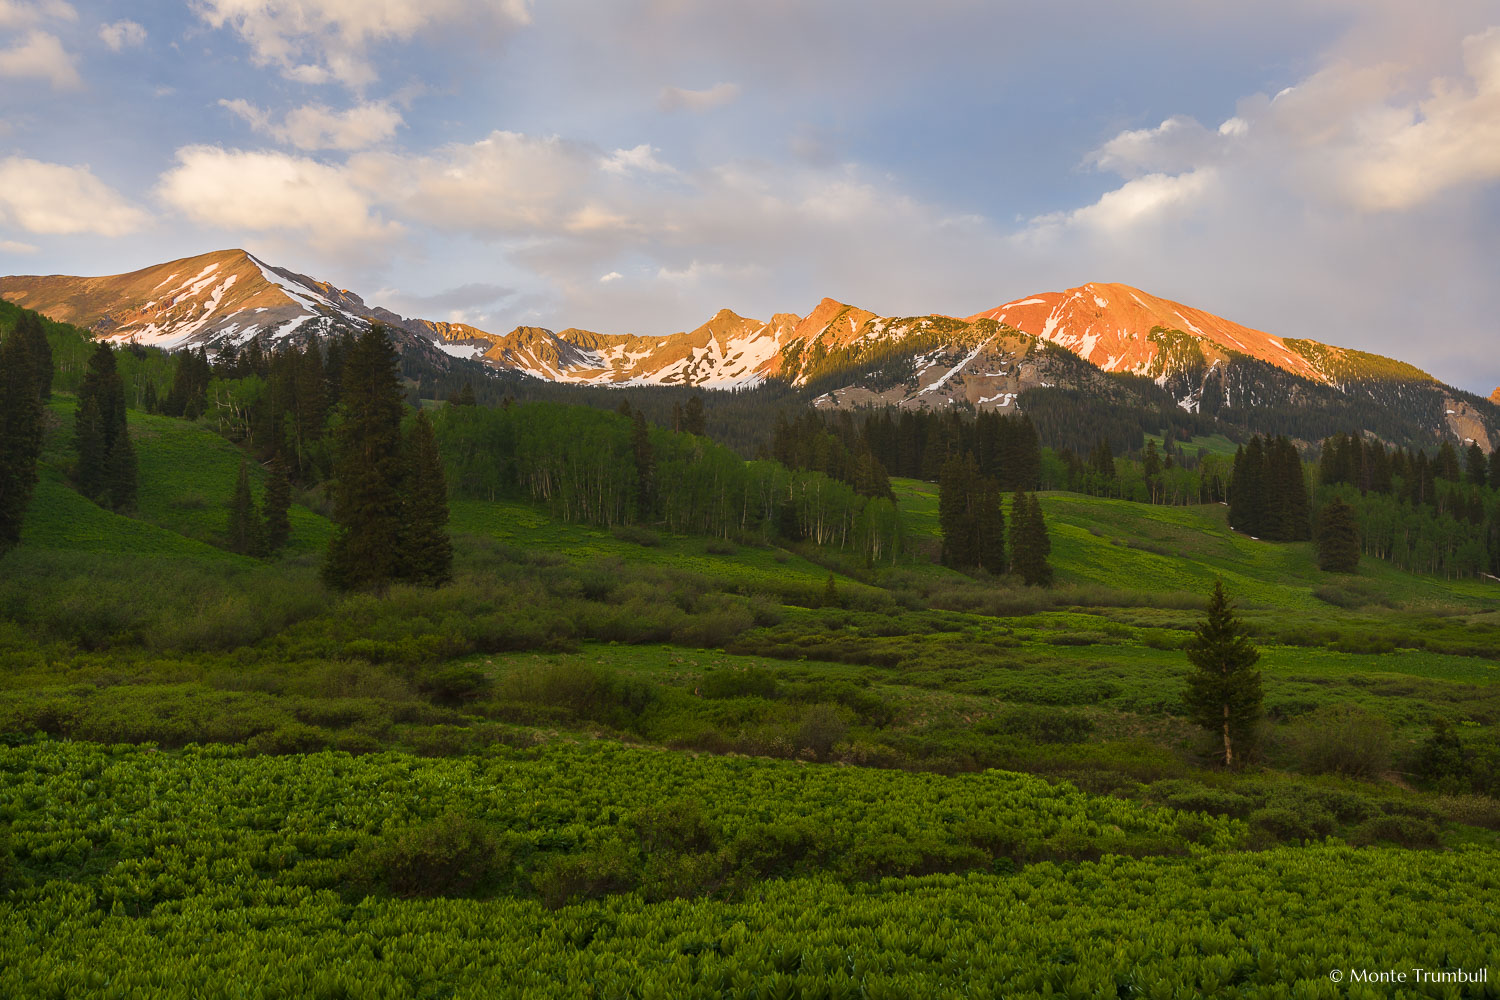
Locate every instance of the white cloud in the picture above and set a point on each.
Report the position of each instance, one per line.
(17, 247)
(56, 199)
(315, 126)
(1350, 134)
(506, 184)
(18, 14)
(680, 99)
(318, 41)
(605, 279)
(1154, 198)
(122, 35)
(41, 55)
(1402, 155)
(1177, 144)
(259, 191)
(642, 158)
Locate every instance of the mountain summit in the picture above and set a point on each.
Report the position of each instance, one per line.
(849, 356)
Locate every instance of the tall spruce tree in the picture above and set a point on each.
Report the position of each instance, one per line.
(1476, 466)
(1223, 691)
(1029, 542)
(426, 550)
(956, 519)
(38, 351)
(106, 470)
(246, 530)
(20, 433)
(989, 523)
(120, 472)
(1338, 538)
(277, 506)
(365, 550)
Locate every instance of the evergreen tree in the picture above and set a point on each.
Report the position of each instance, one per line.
(426, 550)
(1029, 542)
(368, 470)
(1223, 692)
(831, 593)
(692, 416)
(1338, 538)
(1447, 463)
(1476, 466)
(20, 434)
(956, 519)
(645, 466)
(277, 506)
(120, 473)
(466, 397)
(38, 352)
(990, 528)
(246, 532)
(1494, 476)
(100, 419)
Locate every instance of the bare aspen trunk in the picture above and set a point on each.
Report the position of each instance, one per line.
(1228, 749)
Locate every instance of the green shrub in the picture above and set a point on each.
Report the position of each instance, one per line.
(610, 867)
(751, 682)
(450, 855)
(1040, 725)
(1407, 831)
(677, 826)
(821, 729)
(456, 686)
(636, 534)
(1289, 823)
(1344, 739)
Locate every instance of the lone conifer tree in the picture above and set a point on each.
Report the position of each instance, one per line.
(106, 471)
(277, 506)
(246, 532)
(1223, 691)
(1029, 544)
(38, 351)
(426, 551)
(20, 434)
(368, 468)
(120, 472)
(1338, 538)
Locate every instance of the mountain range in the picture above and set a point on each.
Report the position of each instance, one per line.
(844, 355)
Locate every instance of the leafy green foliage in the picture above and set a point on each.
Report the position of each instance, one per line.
(1224, 693)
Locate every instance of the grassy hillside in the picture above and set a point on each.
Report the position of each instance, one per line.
(614, 752)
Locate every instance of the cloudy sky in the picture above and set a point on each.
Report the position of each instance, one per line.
(1315, 168)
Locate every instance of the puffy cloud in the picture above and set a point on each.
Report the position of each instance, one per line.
(642, 158)
(258, 191)
(41, 55)
(19, 14)
(605, 279)
(315, 126)
(506, 184)
(122, 35)
(56, 199)
(319, 41)
(680, 99)
(1153, 198)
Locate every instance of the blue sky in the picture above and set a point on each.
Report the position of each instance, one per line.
(1319, 168)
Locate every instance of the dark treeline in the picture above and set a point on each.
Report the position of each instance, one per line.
(606, 468)
(972, 521)
(917, 443)
(1438, 515)
(1075, 420)
(1268, 495)
(25, 385)
(837, 449)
